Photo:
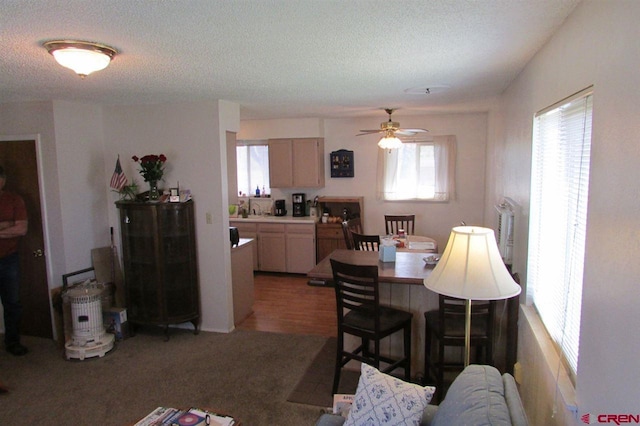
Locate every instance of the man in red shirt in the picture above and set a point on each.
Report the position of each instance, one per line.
(13, 225)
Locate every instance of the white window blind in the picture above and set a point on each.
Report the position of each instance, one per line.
(557, 227)
(252, 160)
(419, 170)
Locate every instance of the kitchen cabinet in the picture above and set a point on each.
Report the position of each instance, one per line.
(296, 163)
(301, 256)
(329, 236)
(160, 266)
(281, 246)
(272, 251)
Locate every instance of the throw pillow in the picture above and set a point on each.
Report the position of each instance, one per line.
(381, 399)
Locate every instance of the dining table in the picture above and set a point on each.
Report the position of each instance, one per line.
(409, 266)
(401, 285)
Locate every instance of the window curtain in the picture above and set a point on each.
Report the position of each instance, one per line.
(444, 171)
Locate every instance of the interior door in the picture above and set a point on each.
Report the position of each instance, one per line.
(19, 161)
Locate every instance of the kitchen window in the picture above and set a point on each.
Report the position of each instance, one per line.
(252, 160)
(420, 170)
(558, 219)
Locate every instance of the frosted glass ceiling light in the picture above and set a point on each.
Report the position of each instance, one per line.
(390, 141)
(82, 57)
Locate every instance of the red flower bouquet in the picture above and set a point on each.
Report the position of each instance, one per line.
(151, 166)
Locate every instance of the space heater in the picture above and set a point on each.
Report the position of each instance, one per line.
(88, 338)
(506, 226)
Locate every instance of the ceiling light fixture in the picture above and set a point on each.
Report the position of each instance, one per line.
(83, 57)
(389, 141)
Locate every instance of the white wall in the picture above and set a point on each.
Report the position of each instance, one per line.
(433, 219)
(190, 135)
(80, 163)
(597, 45)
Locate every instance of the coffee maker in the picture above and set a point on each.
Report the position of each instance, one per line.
(279, 209)
(298, 205)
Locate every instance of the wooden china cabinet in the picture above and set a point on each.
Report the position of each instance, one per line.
(160, 265)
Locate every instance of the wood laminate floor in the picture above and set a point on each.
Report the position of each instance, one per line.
(285, 303)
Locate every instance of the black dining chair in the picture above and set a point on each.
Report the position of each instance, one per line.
(447, 326)
(349, 226)
(365, 242)
(403, 221)
(360, 314)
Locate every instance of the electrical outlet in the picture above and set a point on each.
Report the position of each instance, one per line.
(208, 218)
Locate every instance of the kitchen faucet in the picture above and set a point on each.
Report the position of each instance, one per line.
(259, 210)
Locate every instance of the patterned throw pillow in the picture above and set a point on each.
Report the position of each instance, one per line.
(385, 400)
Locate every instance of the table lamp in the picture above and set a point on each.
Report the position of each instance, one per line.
(471, 268)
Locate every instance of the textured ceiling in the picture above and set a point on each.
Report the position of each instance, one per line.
(280, 58)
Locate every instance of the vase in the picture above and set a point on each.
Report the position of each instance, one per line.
(154, 194)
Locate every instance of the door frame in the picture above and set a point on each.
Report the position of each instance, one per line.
(43, 213)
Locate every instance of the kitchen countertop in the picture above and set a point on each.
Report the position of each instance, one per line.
(242, 242)
(273, 219)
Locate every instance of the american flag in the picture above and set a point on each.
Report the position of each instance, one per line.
(118, 180)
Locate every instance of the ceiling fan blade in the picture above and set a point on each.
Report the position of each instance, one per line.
(369, 132)
(415, 130)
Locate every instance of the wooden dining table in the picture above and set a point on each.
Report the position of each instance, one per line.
(408, 268)
(402, 286)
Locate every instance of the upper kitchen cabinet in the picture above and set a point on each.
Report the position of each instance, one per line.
(296, 163)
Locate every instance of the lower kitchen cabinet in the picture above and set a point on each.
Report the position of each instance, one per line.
(301, 256)
(329, 237)
(280, 247)
(272, 251)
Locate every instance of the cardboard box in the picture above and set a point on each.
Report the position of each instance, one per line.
(115, 322)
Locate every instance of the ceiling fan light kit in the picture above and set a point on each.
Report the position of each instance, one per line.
(389, 141)
(390, 129)
(83, 57)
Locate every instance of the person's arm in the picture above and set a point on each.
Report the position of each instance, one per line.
(13, 229)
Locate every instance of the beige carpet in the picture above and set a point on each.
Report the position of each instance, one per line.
(248, 374)
(314, 388)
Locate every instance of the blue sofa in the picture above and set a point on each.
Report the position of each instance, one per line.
(478, 396)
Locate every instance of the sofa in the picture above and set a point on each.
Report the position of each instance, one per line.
(480, 395)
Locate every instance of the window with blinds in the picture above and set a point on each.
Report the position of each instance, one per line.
(252, 159)
(558, 217)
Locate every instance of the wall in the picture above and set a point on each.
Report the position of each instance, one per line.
(433, 219)
(80, 163)
(72, 177)
(597, 45)
(190, 135)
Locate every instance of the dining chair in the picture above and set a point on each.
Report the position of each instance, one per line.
(447, 325)
(404, 221)
(365, 242)
(361, 315)
(349, 226)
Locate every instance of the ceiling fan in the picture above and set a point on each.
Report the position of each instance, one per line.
(390, 129)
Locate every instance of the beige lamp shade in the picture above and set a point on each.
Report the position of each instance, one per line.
(471, 267)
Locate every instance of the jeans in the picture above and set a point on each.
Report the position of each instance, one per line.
(10, 295)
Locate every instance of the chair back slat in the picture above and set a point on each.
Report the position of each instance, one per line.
(453, 310)
(356, 288)
(365, 242)
(402, 221)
